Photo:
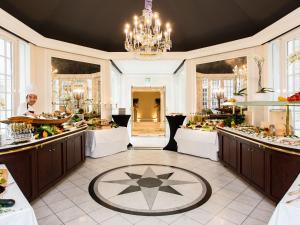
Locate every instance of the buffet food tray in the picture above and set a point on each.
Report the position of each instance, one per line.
(31, 120)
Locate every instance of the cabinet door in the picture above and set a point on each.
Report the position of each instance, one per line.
(226, 148)
(246, 160)
(75, 148)
(19, 165)
(233, 153)
(57, 160)
(258, 167)
(45, 168)
(284, 168)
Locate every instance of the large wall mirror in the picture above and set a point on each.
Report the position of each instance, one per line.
(75, 86)
(221, 81)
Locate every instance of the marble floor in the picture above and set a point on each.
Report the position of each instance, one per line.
(232, 201)
(148, 129)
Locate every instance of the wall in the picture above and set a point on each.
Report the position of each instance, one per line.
(146, 106)
(128, 81)
(41, 79)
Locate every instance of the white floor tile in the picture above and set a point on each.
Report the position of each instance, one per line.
(116, 220)
(233, 216)
(61, 205)
(50, 220)
(184, 220)
(70, 214)
(252, 221)
(82, 220)
(42, 212)
(102, 214)
(261, 215)
(151, 221)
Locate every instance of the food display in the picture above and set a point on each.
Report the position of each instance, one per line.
(3, 177)
(97, 123)
(267, 134)
(292, 98)
(205, 125)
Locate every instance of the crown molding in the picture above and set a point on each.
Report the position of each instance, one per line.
(278, 28)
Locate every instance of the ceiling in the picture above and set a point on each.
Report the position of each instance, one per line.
(99, 24)
(221, 67)
(66, 66)
(142, 67)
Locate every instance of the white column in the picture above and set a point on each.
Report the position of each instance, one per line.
(106, 97)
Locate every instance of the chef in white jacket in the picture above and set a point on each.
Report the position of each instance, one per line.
(28, 108)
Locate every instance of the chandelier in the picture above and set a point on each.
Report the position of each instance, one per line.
(146, 35)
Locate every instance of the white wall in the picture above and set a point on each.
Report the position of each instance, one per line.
(41, 78)
(166, 80)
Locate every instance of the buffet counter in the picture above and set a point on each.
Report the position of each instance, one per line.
(268, 166)
(38, 165)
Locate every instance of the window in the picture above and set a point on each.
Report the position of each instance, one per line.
(228, 89)
(205, 93)
(215, 85)
(293, 81)
(6, 80)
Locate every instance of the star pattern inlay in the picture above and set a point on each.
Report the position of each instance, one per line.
(149, 183)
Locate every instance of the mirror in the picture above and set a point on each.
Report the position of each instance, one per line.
(75, 86)
(221, 81)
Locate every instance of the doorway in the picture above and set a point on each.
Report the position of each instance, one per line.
(148, 111)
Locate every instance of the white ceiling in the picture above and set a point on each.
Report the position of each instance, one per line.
(148, 66)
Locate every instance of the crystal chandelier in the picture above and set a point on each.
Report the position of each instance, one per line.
(146, 36)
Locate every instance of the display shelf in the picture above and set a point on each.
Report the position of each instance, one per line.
(268, 103)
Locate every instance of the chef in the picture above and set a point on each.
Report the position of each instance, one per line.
(28, 108)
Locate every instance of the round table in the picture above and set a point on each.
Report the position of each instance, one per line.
(174, 123)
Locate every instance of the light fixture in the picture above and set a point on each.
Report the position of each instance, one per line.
(146, 35)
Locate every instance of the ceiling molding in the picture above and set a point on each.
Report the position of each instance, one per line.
(278, 28)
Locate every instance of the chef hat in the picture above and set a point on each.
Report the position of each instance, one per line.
(30, 90)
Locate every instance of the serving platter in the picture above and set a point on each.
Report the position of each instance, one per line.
(31, 120)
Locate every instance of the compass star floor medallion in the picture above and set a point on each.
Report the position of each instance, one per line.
(150, 189)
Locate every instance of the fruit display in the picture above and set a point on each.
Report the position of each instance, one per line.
(46, 130)
(3, 177)
(282, 99)
(294, 97)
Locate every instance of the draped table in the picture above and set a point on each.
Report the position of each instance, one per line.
(122, 121)
(104, 142)
(288, 213)
(197, 142)
(21, 213)
(174, 123)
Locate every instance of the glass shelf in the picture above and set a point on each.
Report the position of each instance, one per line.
(268, 103)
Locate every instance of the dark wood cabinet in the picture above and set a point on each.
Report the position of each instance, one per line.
(20, 166)
(252, 164)
(229, 151)
(246, 161)
(283, 170)
(75, 145)
(268, 169)
(37, 168)
(50, 163)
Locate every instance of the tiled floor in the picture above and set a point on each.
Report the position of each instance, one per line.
(232, 201)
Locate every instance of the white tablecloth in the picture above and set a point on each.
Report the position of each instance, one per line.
(21, 213)
(197, 142)
(106, 142)
(288, 213)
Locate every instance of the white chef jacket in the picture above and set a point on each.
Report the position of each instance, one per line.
(24, 108)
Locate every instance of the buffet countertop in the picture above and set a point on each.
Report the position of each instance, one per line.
(295, 148)
(35, 143)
